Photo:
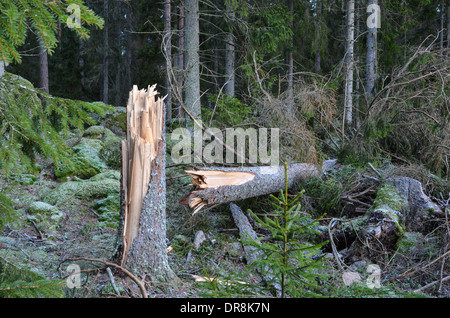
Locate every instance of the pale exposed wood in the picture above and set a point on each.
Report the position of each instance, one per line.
(204, 179)
(144, 120)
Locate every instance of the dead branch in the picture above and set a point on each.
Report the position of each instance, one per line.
(109, 264)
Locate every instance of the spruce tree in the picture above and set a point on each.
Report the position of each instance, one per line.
(33, 122)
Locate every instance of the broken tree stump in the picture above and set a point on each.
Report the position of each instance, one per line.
(224, 185)
(142, 245)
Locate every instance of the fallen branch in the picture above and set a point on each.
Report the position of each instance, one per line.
(431, 284)
(245, 231)
(109, 264)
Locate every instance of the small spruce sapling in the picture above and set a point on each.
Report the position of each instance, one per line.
(294, 266)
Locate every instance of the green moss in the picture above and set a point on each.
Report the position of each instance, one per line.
(121, 121)
(354, 225)
(24, 179)
(388, 195)
(83, 190)
(389, 202)
(46, 216)
(107, 174)
(94, 131)
(109, 210)
(409, 241)
(116, 120)
(111, 151)
(86, 161)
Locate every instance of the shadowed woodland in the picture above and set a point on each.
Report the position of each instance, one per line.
(93, 202)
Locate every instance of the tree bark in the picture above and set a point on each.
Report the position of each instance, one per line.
(245, 231)
(192, 70)
(168, 53)
(105, 54)
(349, 63)
(43, 68)
(180, 55)
(318, 35)
(448, 25)
(229, 56)
(290, 62)
(441, 29)
(371, 57)
(223, 185)
(2, 68)
(143, 247)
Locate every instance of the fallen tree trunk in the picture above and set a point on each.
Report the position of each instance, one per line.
(224, 185)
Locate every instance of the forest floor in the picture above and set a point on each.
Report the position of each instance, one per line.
(80, 219)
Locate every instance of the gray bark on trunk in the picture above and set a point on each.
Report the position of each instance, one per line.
(43, 68)
(371, 57)
(105, 54)
(229, 56)
(290, 62)
(168, 52)
(349, 63)
(448, 25)
(318, 35)
(192, 68)
(180, 55)
(245, 232)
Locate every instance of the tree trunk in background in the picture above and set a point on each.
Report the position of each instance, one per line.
(2, 68)
(229, 55)
(129, 48)
(318, 35)
(448, 25)
(168, 52)
(192, 67)
(290, 63)
(143, 246)
(357, 58)
(349, 63)
(43, 68)
(442, 28)
(371, 58)
(180, 56)
(105, 53)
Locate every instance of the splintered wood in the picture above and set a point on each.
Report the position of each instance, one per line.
(144, 122)
(212, 179)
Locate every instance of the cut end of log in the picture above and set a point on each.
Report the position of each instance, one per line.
(211, 179)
